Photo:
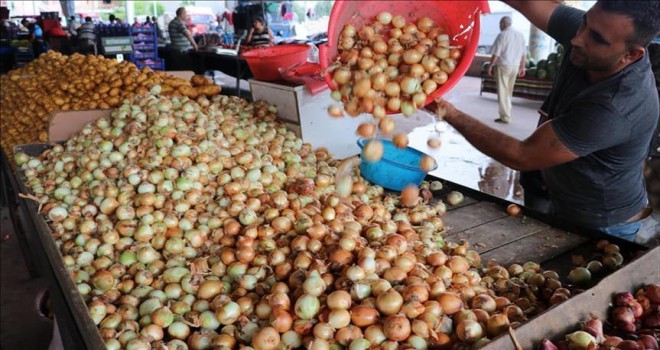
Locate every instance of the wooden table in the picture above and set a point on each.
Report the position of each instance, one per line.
(483, 221)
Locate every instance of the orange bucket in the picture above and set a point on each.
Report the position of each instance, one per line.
(265, 62)
(460, 19)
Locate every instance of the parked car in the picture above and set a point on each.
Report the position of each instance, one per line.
(199, 19)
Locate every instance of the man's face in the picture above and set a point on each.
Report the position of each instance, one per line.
(600, 42)
(183, 15)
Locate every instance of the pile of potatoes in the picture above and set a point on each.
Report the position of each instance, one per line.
(56, 82)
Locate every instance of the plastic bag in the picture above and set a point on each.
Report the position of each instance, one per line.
(310, 74)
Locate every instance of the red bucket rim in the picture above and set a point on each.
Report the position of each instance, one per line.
(260, 52)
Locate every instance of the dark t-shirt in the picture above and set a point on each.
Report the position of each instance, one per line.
(608, 124)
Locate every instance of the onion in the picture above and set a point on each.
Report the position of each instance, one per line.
(373, 151)
(427, 163)
(363, 316)
(412, 56)
(339, 318)
(397, 328)
(379, 47)
(469, 331)
(455, 198)
(266, 338)
(392, 89)
(410, 196)
(581, 339)
(424, 24)
(335, 111)
(398, 21)
(513, 210)
(389, 302)
(307, 306)
(366, 130)
(450, 303)
(342, 76)
(384, 18)
(579, 275)
(497, 324)
(410, 85)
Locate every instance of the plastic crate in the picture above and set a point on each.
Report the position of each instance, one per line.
(159, 64)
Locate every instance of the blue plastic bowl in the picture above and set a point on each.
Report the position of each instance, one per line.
(398, 168)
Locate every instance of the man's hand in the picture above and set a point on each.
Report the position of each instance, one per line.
(195, 47)
(444, 109)
(521, 72)
(490, 70)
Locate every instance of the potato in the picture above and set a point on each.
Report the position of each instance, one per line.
(200, 80)
(209, 90)
(55, 82)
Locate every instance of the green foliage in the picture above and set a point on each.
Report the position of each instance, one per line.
(299, 10)
(145, 7)
(187, 2)
(323, 8)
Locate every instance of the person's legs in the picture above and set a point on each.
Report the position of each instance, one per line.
(626, 230)
(504, 91)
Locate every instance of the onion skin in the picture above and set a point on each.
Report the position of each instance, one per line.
(548, 345)
(594, 327)
(648, 342)
(653, 293)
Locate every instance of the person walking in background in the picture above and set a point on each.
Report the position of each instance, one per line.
(508, 61)
(87, 36)
(73, 26)
(180, 36)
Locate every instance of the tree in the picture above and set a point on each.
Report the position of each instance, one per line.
(146, 7)
(187, 2)
(323, 8)
(300, 10)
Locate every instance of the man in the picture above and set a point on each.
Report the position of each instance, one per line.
(597, 123)
(87, 36)
(180, 36)
(73, 26)
(508, 59)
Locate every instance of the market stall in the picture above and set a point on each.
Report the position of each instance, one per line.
(169, 215)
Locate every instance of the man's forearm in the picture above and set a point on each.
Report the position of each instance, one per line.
(493, 60)
(495, 144)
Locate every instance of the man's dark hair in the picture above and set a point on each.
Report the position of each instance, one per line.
(72, 18)
(180, 10)
(259, 19)
(88, 19)
(645, 16)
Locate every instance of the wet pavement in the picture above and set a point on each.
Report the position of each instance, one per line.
(460, 162)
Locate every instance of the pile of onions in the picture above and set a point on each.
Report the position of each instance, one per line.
(206, 224)
(390, 66)
(633, 325)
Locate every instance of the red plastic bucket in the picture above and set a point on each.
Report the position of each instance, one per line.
(264, 62)
(460, 19)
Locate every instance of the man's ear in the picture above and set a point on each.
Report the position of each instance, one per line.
(634, 54)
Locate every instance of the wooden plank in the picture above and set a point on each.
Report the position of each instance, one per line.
(498, 233)
(471, 216)
(539, 247)
(63, 124)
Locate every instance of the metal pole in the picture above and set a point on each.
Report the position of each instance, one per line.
(155, 8)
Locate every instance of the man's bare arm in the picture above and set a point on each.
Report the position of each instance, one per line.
(537, 12)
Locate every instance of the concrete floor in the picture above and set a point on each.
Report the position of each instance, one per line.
(22, 326)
